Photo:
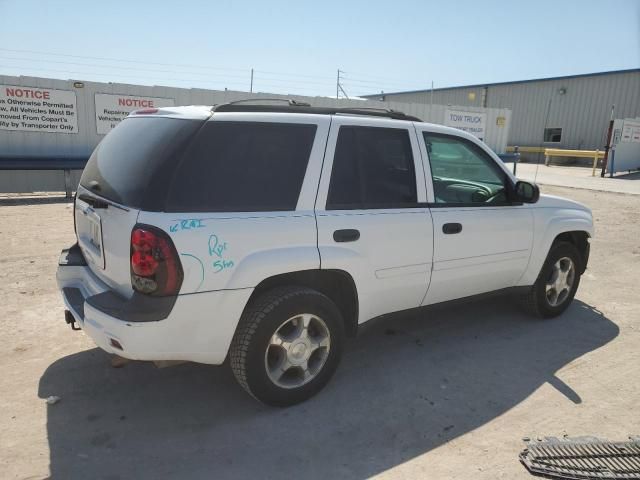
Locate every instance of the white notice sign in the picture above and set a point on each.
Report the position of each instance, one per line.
(38, 109)
(630, 131)
(472, 122)
(111, 109)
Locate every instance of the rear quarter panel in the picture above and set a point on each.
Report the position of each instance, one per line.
(222, 251)
(238, 250)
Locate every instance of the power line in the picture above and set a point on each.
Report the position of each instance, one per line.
(373, 84)
(190, 81)
(119, 67)
(306, 82)
(278, 79)
(371, 79)
(295, 75)
(376, 77)
(122, 60)
(364, 84)
(103, 74)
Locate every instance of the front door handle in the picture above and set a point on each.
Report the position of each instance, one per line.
(451, 228)
(346, 235)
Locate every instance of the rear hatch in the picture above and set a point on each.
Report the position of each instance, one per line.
(129, 171)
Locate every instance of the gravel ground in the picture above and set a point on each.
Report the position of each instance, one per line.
(445, 393)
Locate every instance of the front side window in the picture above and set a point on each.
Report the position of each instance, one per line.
(463, 173)
(243, 167)
(372, 168)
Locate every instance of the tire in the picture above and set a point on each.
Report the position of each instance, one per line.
(272, 368)
(538, 301)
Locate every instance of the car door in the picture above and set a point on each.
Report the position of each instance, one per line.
(373, 221)
(482, 240)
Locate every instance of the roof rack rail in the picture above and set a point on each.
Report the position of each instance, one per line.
(288, 101)
(373, 109)
(297, 107)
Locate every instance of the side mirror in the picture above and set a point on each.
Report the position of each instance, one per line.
(527, 192)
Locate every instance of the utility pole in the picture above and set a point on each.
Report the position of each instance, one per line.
(339, 86)
(431, 108)
(251, 86)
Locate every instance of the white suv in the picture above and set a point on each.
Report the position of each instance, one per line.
(268, 233)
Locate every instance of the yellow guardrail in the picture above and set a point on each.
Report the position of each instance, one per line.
(511, 149)
(560, 152)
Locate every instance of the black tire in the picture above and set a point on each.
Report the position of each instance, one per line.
(260, 320)
(535, 301)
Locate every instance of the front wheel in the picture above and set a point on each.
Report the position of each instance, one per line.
(557, 283)
(287, 346)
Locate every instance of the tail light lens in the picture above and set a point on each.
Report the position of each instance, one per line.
(155, 266)
(145, 111)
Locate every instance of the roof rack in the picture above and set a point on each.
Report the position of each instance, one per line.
(288, 101)
(292, 106)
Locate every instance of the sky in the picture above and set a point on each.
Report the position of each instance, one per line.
(298, 46)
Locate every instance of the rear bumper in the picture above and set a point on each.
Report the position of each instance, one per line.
(199, 327)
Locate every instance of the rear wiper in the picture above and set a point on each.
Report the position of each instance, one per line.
(94, 202)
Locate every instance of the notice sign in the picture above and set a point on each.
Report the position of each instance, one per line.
(38, 109)
(111, 109)
(471, 122)
(630, 131)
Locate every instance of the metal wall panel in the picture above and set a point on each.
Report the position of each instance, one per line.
(27, 181)
(583, 111)
(43, 144)
(471, 97)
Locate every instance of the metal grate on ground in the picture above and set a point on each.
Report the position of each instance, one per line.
(582, 458)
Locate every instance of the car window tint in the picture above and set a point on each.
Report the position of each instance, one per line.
(243, 166)
(372, 168)
(125, 164)
(462, 172)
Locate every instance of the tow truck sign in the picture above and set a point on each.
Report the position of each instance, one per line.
(471, 122)
(111, 109)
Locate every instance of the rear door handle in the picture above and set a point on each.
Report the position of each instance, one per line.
(346, 235)
(451, 228)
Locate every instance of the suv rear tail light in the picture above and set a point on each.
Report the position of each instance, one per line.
(145, 111)
(155, 266)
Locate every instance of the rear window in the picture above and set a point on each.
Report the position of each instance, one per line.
(243, 167)
(126, 161)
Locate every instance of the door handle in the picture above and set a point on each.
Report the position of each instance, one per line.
(451, 228)
(346, 235)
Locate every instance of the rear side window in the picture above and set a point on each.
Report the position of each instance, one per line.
(243, 167)
(372, 168)
(124, 163)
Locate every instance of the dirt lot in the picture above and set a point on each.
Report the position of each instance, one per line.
(444, 394)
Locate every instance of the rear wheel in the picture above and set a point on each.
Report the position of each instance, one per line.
(557, 283)
(287, 346)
